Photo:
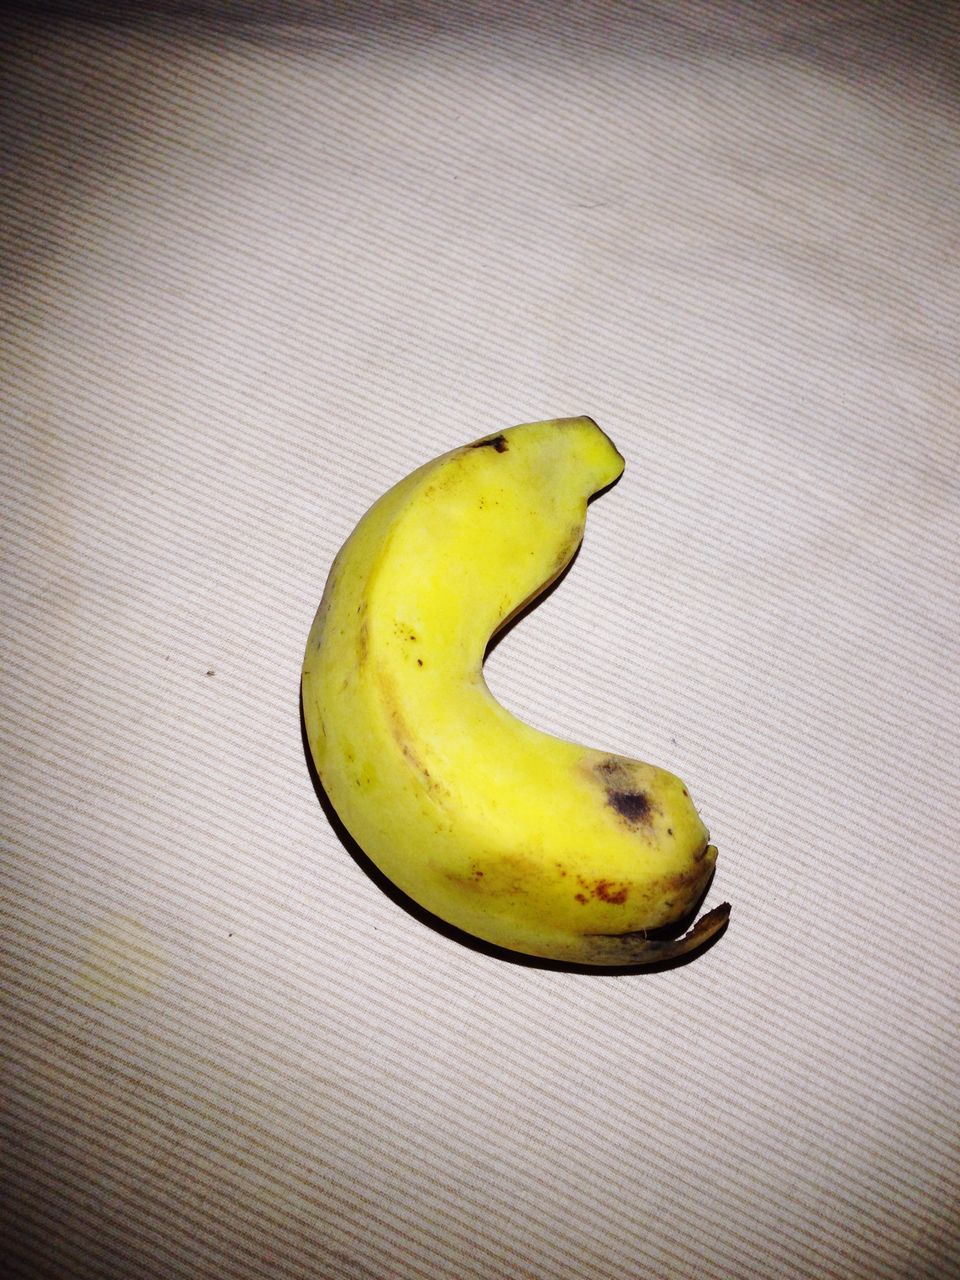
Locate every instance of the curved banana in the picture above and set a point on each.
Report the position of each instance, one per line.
(526, 841)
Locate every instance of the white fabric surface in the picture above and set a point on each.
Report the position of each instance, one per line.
(261, 261)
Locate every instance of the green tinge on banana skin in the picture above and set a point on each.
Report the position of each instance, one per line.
(528, 842)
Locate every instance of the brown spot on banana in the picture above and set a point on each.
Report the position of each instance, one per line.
(405, 739)
(507, 877)
(498, 442)
(568, 549)
(681, 880)
(399, 729)
(632, 806)
(615, 894)
(617, 777)
(608, 891)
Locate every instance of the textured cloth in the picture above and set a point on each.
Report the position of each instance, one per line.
(260, 262)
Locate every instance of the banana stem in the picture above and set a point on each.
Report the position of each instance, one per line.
(639, 948)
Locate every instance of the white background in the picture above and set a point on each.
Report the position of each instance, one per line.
(261, 261)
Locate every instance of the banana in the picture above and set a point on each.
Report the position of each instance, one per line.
(526, 841)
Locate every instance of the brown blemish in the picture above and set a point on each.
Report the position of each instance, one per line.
(567, 549)
(400, 731)
(680, 880)
(606, 892)
(362, 639)
(623, 794)
(504, 878)
(466, 879)
(632, 806)
(326, 600)
(419, 662)
(498, 442)
(402, 737)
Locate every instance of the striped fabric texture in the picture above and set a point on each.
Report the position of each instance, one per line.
(262, 260)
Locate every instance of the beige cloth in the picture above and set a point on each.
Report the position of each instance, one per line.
(261, 261)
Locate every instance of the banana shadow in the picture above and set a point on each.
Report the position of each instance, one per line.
(468, 940)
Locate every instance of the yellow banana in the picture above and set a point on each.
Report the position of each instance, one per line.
(526, 841)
